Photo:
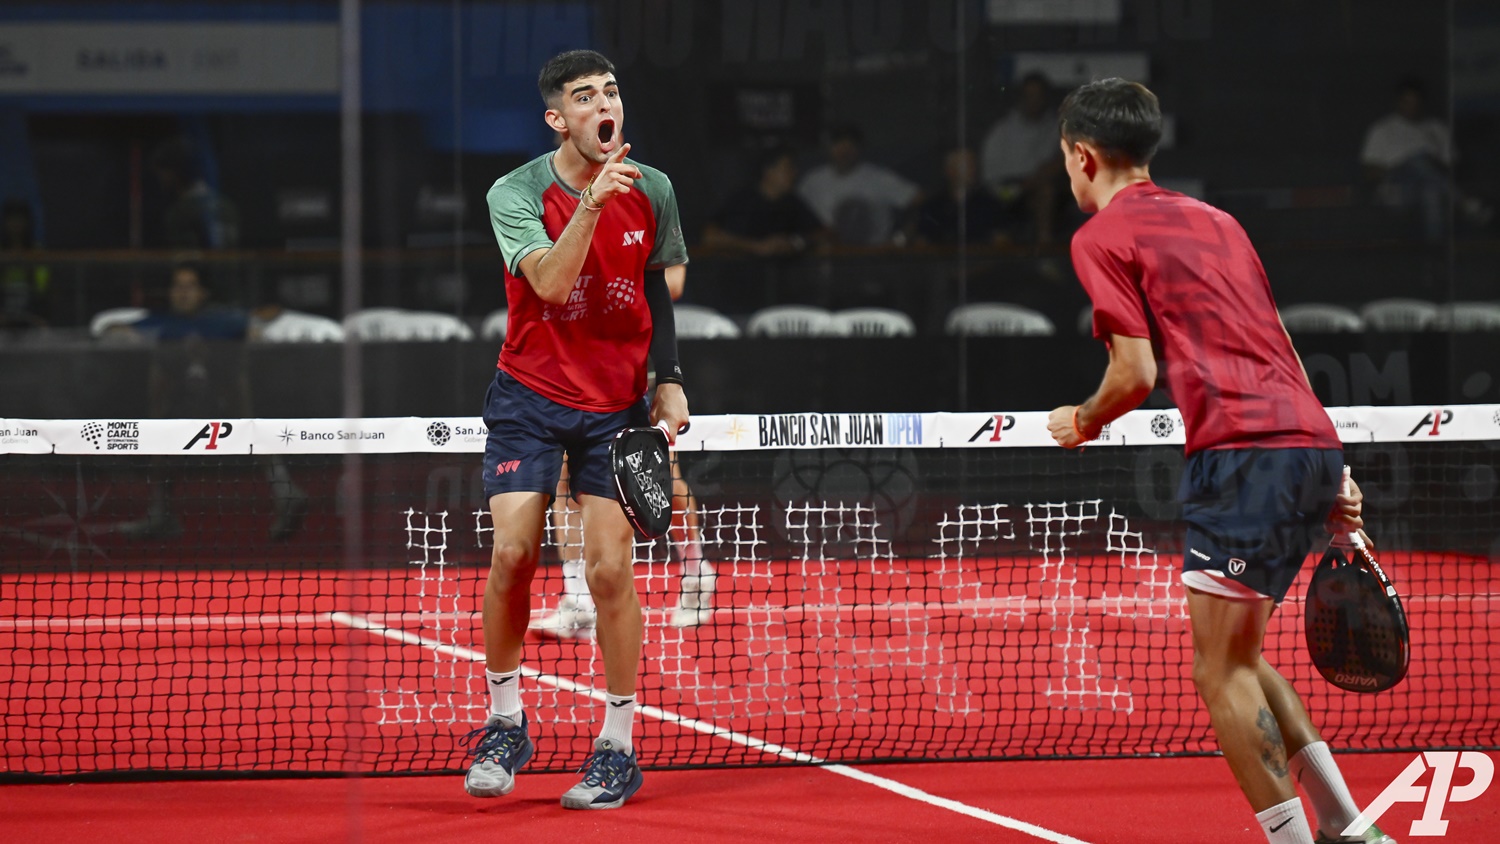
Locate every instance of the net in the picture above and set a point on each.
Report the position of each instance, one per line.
(289, 596)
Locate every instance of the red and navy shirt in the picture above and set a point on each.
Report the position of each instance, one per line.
(1182, 273)
(590, 352)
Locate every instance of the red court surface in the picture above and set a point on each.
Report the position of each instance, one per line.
(1125, 801)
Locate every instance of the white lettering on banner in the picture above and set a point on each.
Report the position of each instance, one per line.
(1405, 790)
(162, 57)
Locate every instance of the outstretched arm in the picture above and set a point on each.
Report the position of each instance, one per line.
(553, 271)
(1127, 381)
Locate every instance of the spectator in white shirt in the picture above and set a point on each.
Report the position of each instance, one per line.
(860, 202)
(1019, 160)
(1408, 155)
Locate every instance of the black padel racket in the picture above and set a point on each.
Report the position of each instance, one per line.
(1355, 624)
(643, 477)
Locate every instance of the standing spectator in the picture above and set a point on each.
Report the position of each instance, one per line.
(25, 284)
(1408, 156)
(859, 201)
(197, 217)
(1019, 161)
(767, 218)
(961, 199)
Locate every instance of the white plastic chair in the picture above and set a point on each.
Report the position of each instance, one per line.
(1320, 317)
(790, 321)
(495, 325)
(695, 322)
(395, 324)
(113, 318)
(1468, 316)
(1399, 315)
(299, 327)
(873, 322)
(981, 319)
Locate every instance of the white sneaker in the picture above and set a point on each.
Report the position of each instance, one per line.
(571, 620)
(695, 605)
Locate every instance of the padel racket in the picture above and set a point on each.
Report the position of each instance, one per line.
(1355, 625)
(643, 478)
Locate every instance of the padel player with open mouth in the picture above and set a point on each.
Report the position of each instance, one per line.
(586, 235)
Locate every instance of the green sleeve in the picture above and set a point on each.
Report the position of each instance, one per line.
(516, 216)
(669, 250)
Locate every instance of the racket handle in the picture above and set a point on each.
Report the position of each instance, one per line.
(1353, 536)
(662, 426)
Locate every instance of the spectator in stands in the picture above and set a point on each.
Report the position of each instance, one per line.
(862, 203)
(198, 372)
(197, 217)
(1408, 156)
(1019, 161)
(962, 198)
(25, 283)
(767, 218)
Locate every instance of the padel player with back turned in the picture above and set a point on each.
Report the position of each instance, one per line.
(1176, 282)
(586, 235)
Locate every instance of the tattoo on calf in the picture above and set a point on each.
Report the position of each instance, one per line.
(1272, 748)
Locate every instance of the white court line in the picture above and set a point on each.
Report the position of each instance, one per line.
(710, 729)
(1148, 610)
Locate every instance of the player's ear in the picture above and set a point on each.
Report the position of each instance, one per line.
(552, 117)
(1088, 159)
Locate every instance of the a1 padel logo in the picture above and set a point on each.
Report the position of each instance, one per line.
(1404, 789)
(212, 432)
(994, 426)
(1433, 422)
(632, 238)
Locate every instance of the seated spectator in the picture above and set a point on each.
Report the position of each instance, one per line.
(767, 218)
(1020, 162)
(861, 203)
(197, 217)
(962, 198)
(196, 374)
(1408, 156)
(25, 284)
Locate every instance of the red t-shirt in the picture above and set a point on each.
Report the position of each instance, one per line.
(1182, 273)
(590, 352)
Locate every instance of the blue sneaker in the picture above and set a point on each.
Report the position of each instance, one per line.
(609, 777)
(499, 749)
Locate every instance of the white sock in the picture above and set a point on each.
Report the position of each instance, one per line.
(505, 693)
(576, 586)
(1317, 773)
(1284, 823)
(619, 720)
(693, 564)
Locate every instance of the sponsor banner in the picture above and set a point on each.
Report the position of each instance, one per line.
(169, 58)
(735, 432)
(149, 436)
(337, 436)
(808, 430)
(23, 436)
(461, 434)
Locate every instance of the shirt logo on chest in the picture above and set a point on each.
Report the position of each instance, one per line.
(632, 238)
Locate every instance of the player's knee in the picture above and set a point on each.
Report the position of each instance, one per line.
(511, 561)
(610, 579)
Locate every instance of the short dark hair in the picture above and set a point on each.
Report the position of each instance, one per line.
(565, 67)
(846, 132)
(1412, 85)
(1121, 117)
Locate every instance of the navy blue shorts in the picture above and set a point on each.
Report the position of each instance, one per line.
(530, 433)
(1253, 514)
